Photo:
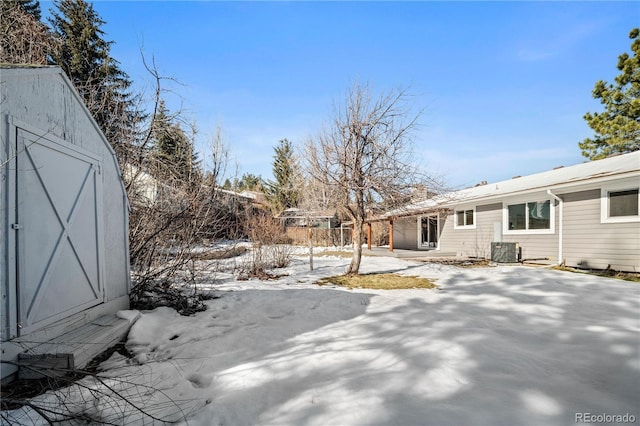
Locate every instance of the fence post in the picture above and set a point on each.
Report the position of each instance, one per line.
(310, 235)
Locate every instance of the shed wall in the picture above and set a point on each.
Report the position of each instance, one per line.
(4, 223)
(45, 100)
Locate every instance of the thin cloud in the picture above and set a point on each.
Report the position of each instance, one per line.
(556, 43)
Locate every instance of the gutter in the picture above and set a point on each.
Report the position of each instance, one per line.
(561, 219)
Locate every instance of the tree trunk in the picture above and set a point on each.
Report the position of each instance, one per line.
(354, 267)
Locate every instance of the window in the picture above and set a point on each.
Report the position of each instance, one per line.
(468, 217)
(623, 203)
(620, 205)
(517, 215)
(465, 219)
(529, 217)
(539, 217)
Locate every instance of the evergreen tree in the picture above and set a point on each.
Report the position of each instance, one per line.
(84, 56)
(172, 147)
(32, 7)
(284, 192)
(249, 182)
(618, 127)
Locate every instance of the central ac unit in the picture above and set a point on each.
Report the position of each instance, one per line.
(505, 252)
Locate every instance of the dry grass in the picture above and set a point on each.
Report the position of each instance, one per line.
(608, 273)
(340, 253)
(378, 281)
(336, 253)
(462, 263)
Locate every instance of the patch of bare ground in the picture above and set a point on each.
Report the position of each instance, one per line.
(220, 254)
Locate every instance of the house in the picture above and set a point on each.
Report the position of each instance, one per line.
(64, 256)
(586, 216)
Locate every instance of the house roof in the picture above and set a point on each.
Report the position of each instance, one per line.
(625, 165)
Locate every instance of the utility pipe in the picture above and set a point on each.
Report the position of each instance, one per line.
(561, 219)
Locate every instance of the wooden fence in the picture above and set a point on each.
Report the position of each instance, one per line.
(333, 236)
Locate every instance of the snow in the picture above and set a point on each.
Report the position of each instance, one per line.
(505, 345)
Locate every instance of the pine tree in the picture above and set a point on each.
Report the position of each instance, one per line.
(284, 192)
(32, 7)
(249, 182)
(618, 127)
(84, 56)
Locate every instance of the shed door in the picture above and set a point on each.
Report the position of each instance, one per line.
(59, 244)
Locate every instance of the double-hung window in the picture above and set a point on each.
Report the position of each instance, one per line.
(529, 217)
(620, 205)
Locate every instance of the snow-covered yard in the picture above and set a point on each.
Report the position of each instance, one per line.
(507, 345)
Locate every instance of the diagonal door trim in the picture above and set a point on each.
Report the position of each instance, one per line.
(84, 216)
(67, 225)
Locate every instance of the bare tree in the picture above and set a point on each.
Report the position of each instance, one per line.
(23, 39)
(365, 157)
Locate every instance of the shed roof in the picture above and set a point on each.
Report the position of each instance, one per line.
(295, 213)
(624, 165)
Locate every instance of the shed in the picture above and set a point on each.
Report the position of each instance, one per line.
(64, 256)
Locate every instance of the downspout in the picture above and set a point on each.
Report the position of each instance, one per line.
(561, 219)
(342, 234)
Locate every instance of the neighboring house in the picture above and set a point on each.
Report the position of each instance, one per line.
(143, 188)
(295, 218)
(585, 215)
(64, 255)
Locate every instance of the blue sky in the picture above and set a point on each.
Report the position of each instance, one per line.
(503, 85)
